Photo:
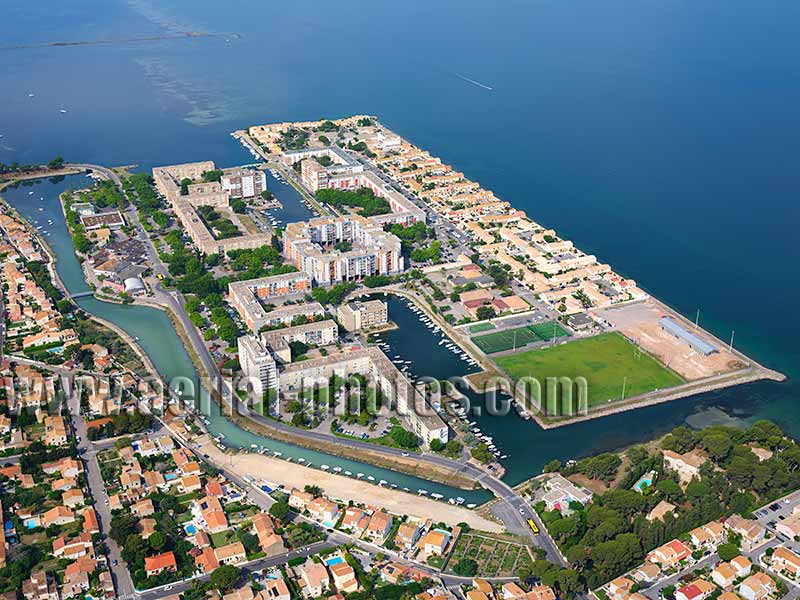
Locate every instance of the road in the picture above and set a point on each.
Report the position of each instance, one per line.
(119, 572)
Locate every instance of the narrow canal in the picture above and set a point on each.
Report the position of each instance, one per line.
(159, 340)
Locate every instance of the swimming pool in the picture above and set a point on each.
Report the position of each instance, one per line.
(191, 529)
(334, 560)
(644, 480)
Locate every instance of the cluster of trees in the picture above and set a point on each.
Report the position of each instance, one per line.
(122, 424)
(141, 193)
(222, 227)
(452, 448)
(362, 198)
(105, 194)
(168, 537)
(498, 272)
(482, 453)
(76, 229)
(215, 175)
(16, 168)
(41, 276)
(334, 294)
(432, 252)
(403, 437)
(612, 534)
(293, 139)
(91, 332)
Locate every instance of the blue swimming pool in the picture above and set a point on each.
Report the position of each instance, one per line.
(335, 560)
(191, 529)
(170, 476)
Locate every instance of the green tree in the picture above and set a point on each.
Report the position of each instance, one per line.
(224, 577)
(279, 510)
(728, 551)
(466, 567)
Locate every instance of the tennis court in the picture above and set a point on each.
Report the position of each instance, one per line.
(518, 337)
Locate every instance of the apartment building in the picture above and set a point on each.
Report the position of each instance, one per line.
(257, 364)
(246, 297)
(357, 315)
(243, 183)
(169, 181)
(373, 364)
(338, 249)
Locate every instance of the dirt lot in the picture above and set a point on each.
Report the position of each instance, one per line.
(639, 322)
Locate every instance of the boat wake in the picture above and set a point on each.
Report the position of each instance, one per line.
(473, 82)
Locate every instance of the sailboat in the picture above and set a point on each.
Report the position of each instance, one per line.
(63, 110)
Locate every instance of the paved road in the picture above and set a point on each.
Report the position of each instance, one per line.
(252, 567)
(119, 572)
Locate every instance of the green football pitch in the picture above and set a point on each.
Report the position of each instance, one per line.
(518, 337)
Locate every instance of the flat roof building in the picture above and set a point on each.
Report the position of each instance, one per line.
(694, 341)
(312, 247)
(357, 315)
(245, 297)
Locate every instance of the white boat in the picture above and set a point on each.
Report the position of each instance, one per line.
(382, 482)
(370, 478)
(422, 492)
(437, 496)
(360, 475)
(471, 505)
(301, 460)
(324, 467)
(348, 473)
(337, 469)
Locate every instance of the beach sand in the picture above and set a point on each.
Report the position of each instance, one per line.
(290, 475)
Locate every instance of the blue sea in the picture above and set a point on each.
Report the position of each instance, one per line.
(661, 136)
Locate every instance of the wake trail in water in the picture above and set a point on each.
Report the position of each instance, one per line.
(473, 82)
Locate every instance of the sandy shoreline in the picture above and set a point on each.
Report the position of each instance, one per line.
(342, 488)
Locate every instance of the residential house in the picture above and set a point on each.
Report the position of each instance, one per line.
(541, 592)
(39, 587)
(355, 520)
(790, 526)
(619, 588)
(786, 561)
(344, 578)
(189, 483)
(275, 589)
(153, 565)
(143, 508)
(757, 587)
(231, 554)
(670, 554)
(300, 500)
(59, 515)
(512, 591)
(72, 498)
(708, 536)
(407, 535)
(434, 542)
(699, 589)
(661, 510)
(314, 578)
(686, 465)
(646, 573)
(751, 531)
(380, 525)
(324, 511)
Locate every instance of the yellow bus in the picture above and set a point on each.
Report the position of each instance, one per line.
(533, 527)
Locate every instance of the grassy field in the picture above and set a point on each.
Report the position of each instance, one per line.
(548, 331)
(481, 327)
(516, 338)
(604, 360)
